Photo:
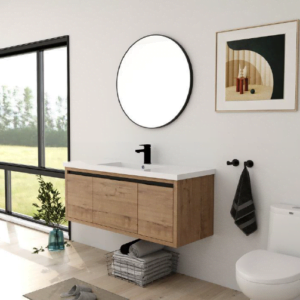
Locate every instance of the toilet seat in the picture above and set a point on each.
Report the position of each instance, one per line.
(265, 267)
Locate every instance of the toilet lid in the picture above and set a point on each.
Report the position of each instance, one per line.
(261, 266)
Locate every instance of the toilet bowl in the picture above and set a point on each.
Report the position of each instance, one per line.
(274, 274)
(265, 275)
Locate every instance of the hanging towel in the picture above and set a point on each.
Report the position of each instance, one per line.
(125, 248)
(243, 210)
(142, 248)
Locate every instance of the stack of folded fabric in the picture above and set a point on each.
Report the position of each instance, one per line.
(144, 263)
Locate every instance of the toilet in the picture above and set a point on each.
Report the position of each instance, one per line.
(274, 274)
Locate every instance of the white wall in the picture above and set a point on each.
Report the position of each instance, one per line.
(100, 33)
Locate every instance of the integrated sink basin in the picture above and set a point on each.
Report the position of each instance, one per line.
(168, 172)
(143, 167)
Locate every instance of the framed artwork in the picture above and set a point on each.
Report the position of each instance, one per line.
(257, 68)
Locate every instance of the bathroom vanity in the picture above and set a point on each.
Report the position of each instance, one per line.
(169, 205)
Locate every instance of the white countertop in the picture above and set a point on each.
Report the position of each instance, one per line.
(169, 172)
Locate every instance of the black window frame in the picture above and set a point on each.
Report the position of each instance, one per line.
(38, 47)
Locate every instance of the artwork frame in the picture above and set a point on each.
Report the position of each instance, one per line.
(272, 75)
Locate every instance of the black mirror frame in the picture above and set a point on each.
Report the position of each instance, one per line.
(190, 88)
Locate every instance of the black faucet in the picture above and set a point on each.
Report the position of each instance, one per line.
(147, 153)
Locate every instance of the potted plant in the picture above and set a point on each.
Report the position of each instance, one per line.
(53, 212)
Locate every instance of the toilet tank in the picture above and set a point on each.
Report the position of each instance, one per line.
(284, 229)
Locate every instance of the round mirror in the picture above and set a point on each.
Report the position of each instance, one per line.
(154, 81)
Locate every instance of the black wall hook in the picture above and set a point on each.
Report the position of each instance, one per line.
(249, 163)
(234, 162)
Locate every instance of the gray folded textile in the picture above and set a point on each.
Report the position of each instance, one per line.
(124, 268)
(144, 281)
(75, 290)
(141, 266)
(143, 248)
(142, 276)
(145, 262)
(85, 296)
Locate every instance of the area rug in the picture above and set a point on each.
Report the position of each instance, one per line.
(53, 292)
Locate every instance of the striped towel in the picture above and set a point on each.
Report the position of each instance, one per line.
(243, 210)
(145, 262)
(146, 279)
(140, 272)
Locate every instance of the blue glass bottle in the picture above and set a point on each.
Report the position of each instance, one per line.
(56, 240)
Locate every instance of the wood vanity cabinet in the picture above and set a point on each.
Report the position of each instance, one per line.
(172, 213)
(115, 204)
(79, 193)
(156, 212)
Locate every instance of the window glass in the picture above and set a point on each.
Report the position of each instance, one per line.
(18, 109)
(25, 191)
(56, 117)
(2, 190)
(19, 123)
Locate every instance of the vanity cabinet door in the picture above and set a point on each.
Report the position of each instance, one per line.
(79, 198)
(115, 204)
(155, 212)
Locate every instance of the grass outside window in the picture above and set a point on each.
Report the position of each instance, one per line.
(25, 186)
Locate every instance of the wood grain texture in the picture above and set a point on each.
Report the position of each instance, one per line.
(79, 191)
(87, 264)
(79, 213)
(195, 209)
(79, 197)
(169, 216)
(125, 223)
(115, 203)
(128, 233)
(175, 217)
(207, 191)
(157, 231)
(155, 212)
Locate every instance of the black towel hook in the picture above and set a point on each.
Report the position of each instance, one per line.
(234, 162)
(249, 163)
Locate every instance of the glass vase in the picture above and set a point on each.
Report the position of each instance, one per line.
(56, 240)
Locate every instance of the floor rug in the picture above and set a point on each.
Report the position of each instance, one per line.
(53, 292)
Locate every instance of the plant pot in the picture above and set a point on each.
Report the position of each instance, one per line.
(56, 240)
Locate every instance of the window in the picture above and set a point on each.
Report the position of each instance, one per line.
(56, 121)
(25, 186)
(2, 191)
(34, 122)
(18, 109)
